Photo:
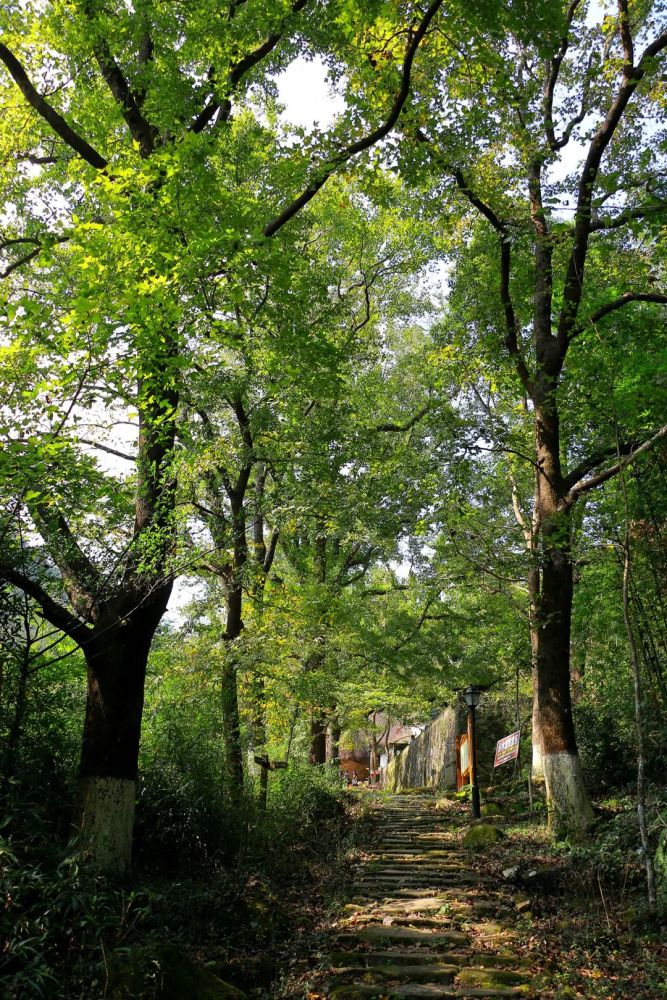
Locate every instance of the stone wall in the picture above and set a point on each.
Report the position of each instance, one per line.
(430, 760)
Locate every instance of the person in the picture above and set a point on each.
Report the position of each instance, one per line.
(355, 779)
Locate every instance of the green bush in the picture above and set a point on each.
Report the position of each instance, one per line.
(55, 922)
(605, 744)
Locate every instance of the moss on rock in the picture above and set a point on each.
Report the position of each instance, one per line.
(491, 809)
(481, 836)
(490, 979)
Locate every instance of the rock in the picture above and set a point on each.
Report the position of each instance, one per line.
(168, 973)
(444, 803)
(538, 877)
(481, 836)
(522, 903)
(491, 809)
(490, 978)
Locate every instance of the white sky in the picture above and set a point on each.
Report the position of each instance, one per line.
(307, 97)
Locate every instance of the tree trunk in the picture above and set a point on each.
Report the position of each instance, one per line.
(651, 890)
(537, 765)
(104, 808)
(318, 739)
(231, 721)
(231, 727)
(567, 800)
(332, 743)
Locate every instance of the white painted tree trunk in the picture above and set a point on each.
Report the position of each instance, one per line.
(569, 806)
(537, 765)
(104, 820)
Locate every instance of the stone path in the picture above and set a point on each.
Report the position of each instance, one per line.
(422, 921)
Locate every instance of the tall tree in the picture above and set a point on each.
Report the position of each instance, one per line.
(499, 120)
(139, 142)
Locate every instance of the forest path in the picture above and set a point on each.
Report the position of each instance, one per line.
(422, 921)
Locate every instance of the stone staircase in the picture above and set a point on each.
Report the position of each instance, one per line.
(422, 921)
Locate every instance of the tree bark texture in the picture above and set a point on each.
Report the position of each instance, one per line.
(332, 743)
(318, 739)
(567, 800)
(116, 660)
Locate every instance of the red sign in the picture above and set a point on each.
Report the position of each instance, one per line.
(507, 748)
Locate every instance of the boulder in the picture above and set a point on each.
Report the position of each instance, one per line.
(482, 835)
(491, 809)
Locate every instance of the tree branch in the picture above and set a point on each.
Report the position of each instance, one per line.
(271, 551)
(239, 69)
(641, 212)
(391, 427)
(110, 451)
(141, 130)
(585, 485)
(38, 247)
(596, 458)
(55, 613)
(551, 81)
(79, 573)
(574, 281)
(621, 301)
(48, 113)
(511, 331)
(342, 157)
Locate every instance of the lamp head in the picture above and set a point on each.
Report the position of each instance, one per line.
(472, 695)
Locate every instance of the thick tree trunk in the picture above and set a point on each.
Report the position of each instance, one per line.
(231, 727)
(231, 720)
(567, 800)
(318, 739)
(104, 808)
(332, 743)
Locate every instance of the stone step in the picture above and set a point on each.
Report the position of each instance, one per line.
(412, 871)
(410, 886)
(434, 972)
(417, 855)
(449, 907)
(420, 991)
(390, 932)
(402, 878)
(408, 956)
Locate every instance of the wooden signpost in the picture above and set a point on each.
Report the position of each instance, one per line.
(270, 765)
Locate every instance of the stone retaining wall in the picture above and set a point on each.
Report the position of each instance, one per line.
(430, 760)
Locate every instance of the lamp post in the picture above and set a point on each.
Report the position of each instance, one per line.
(471, 695)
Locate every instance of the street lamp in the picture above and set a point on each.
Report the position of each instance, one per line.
(471, 695)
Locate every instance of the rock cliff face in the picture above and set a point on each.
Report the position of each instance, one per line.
(430, 760)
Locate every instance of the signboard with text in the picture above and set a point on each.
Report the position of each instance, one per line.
(507, 748)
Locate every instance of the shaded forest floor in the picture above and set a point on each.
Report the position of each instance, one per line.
(269, 925)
